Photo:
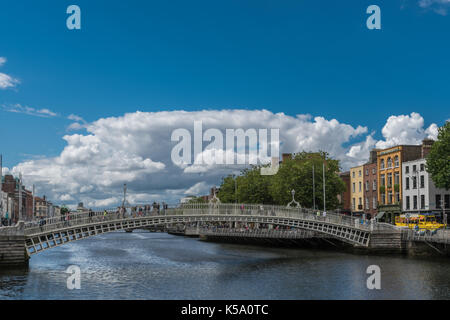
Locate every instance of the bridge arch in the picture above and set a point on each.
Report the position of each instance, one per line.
(41, 238)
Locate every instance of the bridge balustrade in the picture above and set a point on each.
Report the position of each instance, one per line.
(250, 210)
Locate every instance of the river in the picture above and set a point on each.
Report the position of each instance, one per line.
(144, 265)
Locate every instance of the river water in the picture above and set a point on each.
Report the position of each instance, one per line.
(144, 265)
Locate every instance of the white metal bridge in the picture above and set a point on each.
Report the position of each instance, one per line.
(53, 232)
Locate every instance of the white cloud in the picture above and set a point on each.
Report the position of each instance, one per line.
(6, 81)
(18, 108)
(406, 129)
(438, 6)
(198, 189)
(136, 149)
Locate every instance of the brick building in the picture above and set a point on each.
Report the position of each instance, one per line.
(370, 185)
(344, 198)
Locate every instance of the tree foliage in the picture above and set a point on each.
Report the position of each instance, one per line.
(197, 200)
(438, 160)
(295, 173)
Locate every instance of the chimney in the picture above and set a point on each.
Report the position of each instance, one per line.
(426, 147)
(373, 156)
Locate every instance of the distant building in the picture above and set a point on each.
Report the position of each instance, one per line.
(81, 208)
(356, 190)
(41, 207)
(390, 188)
(345, 197)
(10, 186)
(370, 185)
(419, 192)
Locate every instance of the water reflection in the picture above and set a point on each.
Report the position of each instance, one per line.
(161, 266)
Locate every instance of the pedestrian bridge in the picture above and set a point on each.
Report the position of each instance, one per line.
(59, 230)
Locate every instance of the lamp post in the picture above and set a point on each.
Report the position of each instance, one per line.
(314, 189)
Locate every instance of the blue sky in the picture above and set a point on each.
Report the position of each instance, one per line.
(296, 57)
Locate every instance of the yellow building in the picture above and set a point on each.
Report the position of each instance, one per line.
(389, 163)
(357, 189)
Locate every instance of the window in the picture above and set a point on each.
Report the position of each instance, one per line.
(415, 202)
(407, 183)
(382, 164)
(438, 201)
(406, 169)
(374, 202)
(396, 178)
(367, 172)
(396, 161)
(360, 188)
(367, 185)
(389, 180)
(414, 168)
(359, 173)
(360, 201)
(353, 174)
(414, 179)
(422, 181)
(389, 197)
(353, 187)
(422, 167)
(407, 203)
(374, 170)
(353, 204)
(383, 198)
(367, 204)
(374, 185)
(389, 162)
(383, 182)
(447, 201)
(397, 197)
(422, 201)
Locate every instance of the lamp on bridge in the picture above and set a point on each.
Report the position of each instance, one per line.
(293, 200)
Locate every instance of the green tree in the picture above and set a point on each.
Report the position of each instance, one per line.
(438, 160)
(64, 210)
(197, 200)
(296, 173)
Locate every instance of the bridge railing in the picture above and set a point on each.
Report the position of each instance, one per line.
(83, 218)
(437, 236)
(275, 211)
(258, 233)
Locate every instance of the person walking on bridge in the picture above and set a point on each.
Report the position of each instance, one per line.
(104, 215)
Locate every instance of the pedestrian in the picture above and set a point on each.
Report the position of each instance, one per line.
(104, 215)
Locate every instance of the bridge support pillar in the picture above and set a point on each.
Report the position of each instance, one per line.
(13, 251)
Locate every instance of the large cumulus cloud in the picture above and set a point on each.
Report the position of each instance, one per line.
(136, 149)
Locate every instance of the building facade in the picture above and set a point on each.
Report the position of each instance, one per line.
(390, 186)
(370, 189)
(419, 192)
(357, 190)
(345, 197)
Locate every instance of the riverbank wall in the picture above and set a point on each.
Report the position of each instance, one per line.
(12, 247)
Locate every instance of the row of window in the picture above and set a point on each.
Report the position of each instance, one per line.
(390, 198)
(414, 182)
(374, 186)
(414, 168)
(389, 163)
(439, 202)
(367, 204)
(414, 206)
(389, 179)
